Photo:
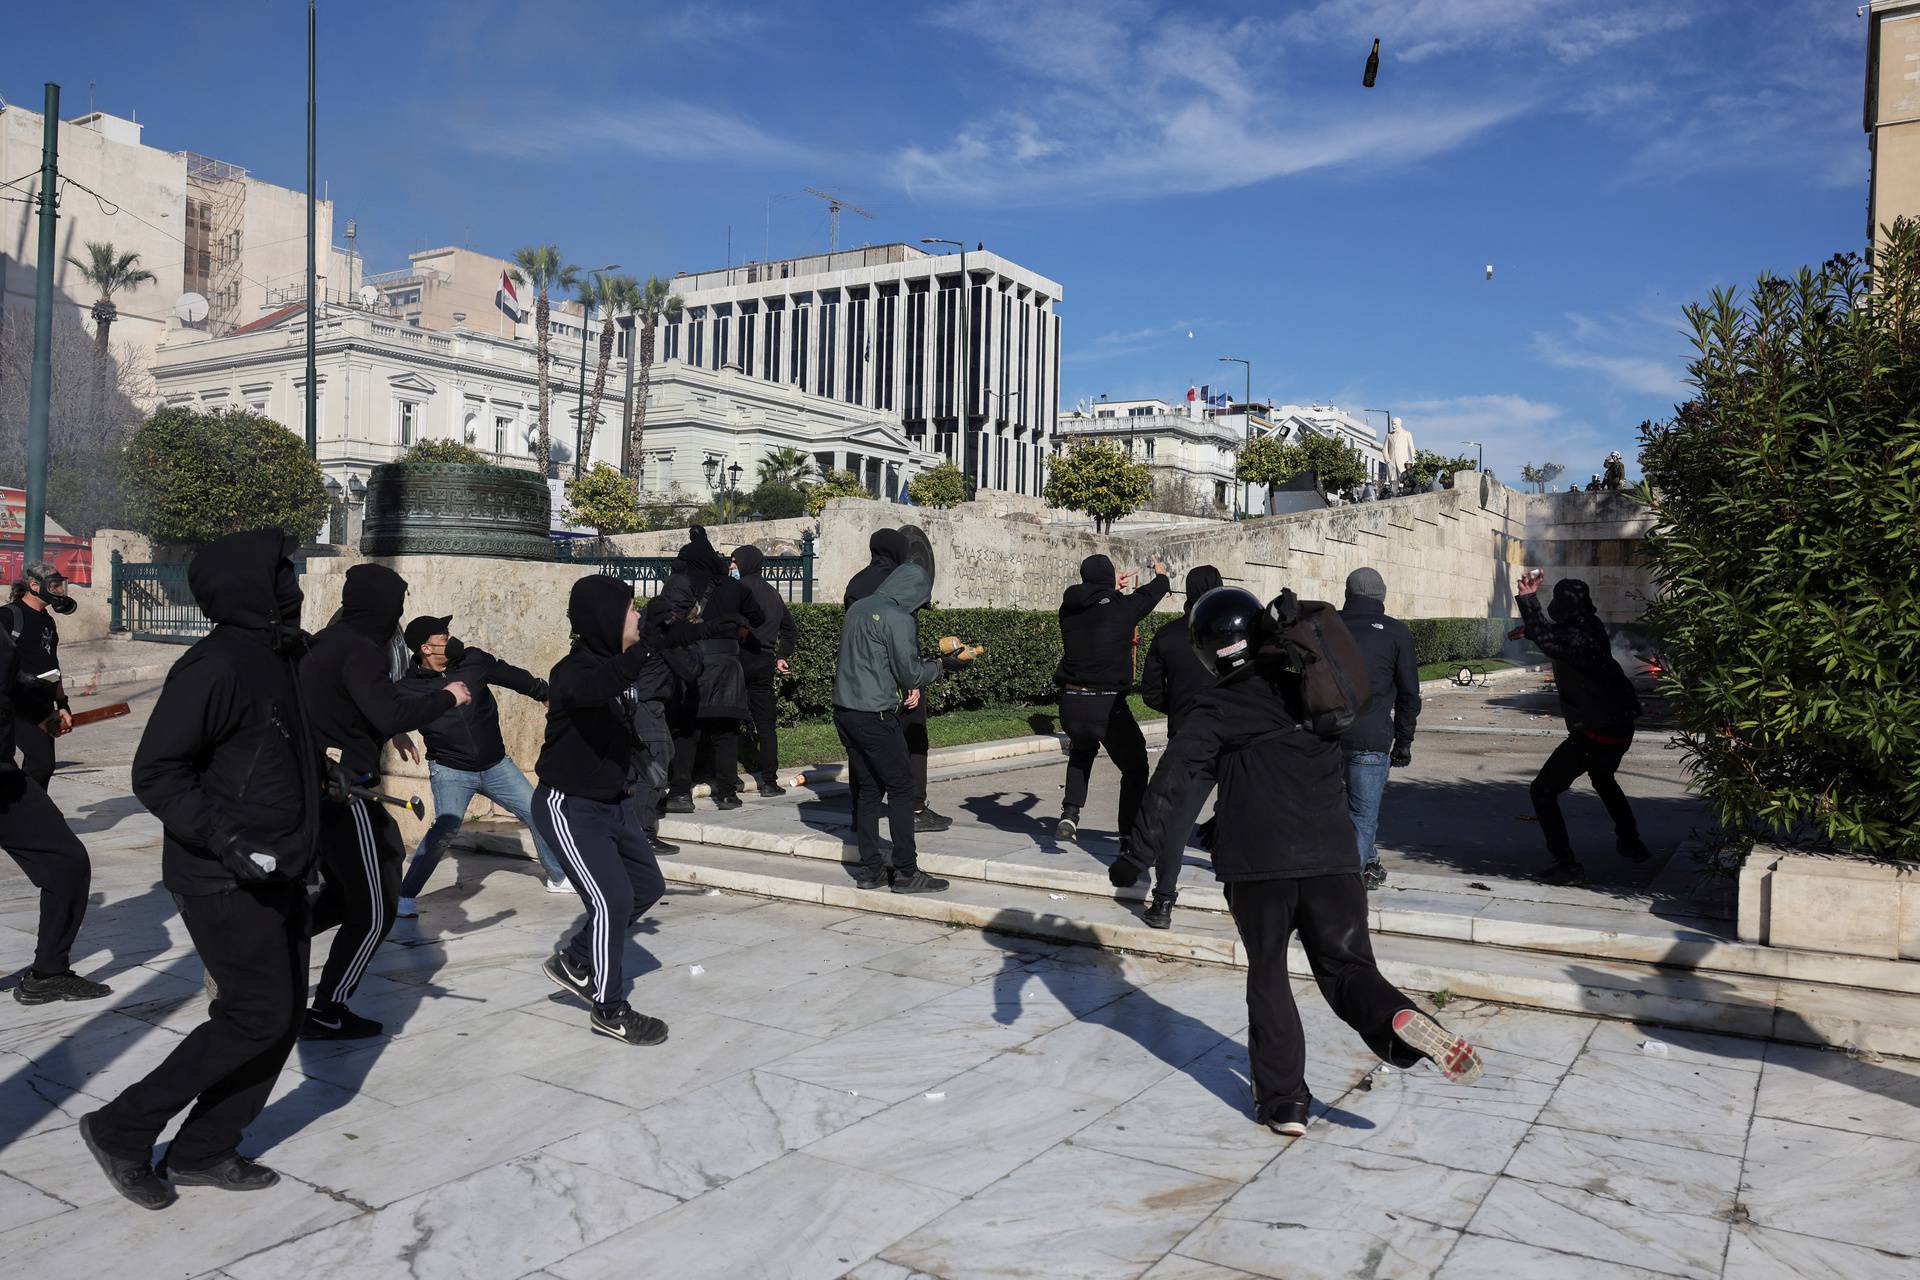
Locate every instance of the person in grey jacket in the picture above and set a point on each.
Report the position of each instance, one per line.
(879, 660)
(1382, 737)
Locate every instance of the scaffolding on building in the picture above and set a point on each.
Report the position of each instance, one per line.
(220, 190)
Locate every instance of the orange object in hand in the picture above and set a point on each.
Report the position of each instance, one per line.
(967, 652)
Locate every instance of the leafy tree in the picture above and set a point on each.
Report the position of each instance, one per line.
(1099, 479)
(192, 477)
(1427, 464)
(444, 451)
(109, 271)
(838, 484)
(656, 302)
(1268, 460)
(540, 265)
(775, 500)
(1542, 475)
(1787, 549)
(613, 296)
(940, 486)
(1336, 463)
(605, 500)
(788, 466)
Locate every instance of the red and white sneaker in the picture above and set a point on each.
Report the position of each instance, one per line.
(1457, 1060)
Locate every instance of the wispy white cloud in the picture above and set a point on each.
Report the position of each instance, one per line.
(1128, 342)
(1415, 30)
(1641, 353)
(1513, 428)
(656, 129)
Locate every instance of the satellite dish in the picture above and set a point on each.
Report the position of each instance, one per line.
(192, 308)
(369, 296)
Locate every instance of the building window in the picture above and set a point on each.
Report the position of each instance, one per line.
(771, 371)
(722, 330)
(798, 364)
(1150, 444)
(697, 342)
(1219, 493)
(1000, 464)
(749, 347)
(502, 432)
(409, 421)
(1020, 469)
(666, 473)
(829, 331)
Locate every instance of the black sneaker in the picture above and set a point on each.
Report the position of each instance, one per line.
(337, 1022)
(678, 802)
(660, 844)
(1373, 875)
(235, 1173)
(622, 1023)
(134, 1179)
(771, 789)
(872, 879)
(60, 986)
(1634, 850)
(731, 800)
(919, 882)
(1160, 914)
(575, 982)
(926, 820)
(1289, 1119)
(1564, 871)
(1069, 823)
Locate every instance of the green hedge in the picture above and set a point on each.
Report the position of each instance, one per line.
(1023, 649)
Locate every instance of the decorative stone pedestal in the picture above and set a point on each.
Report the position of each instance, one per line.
(1841, 905)
(453, 509)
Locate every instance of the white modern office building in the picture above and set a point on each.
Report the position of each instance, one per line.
(884, 333)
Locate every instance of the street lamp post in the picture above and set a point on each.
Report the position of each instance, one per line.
(628, 326)
(313, 269)
(1241, 487)
(580, 412)
(1481, 465)
(968, 449)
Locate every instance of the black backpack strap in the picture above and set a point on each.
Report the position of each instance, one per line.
(15, 622)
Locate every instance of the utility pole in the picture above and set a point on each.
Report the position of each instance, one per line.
(40, 394)
(313, 261)
(629, 325)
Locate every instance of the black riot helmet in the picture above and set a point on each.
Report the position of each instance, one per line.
(1226, 629)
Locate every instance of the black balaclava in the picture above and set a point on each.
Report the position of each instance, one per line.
(1097, 571)
(247, 580)
(1572, 602)
(1200, 580)
(371, 600)
(749, 558)
(888, 546)
(701, 560)
(597, 610)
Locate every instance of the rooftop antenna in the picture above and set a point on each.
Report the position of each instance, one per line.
(834, 205)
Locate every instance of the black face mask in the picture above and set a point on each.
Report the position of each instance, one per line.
(287, 599)
(1561, 609)
(455, 651)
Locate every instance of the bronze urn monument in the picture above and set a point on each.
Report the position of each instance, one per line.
(456, 509)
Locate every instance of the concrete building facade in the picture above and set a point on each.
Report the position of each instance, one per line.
(1186, 446)
(1291, 421)
(883, 331)
(1891, 115)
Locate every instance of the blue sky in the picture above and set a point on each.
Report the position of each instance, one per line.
(1206, 170)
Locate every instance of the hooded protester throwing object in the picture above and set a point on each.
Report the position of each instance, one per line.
(889, 550)
(229, 767)
(879, 660)
(353, 708)
(763, 659)
(1097, 622)
(587, 806)
(1600, 708)
(466, 753)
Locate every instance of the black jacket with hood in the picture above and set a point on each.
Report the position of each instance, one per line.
(228, 749)
(1596, 697)
(727, 612)
(1173, 676)
(1096, 627)
(775, 635)
(1280, 804)
(1389, 719)
(351, 702)
(888, 548)
(591, 749)
(670, 676)
(468, 738)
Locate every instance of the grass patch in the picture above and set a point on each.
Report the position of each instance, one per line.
(1445, 670)
(813, 741)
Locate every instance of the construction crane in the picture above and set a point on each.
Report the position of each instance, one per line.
(834, 205)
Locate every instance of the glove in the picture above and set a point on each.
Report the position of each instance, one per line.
(250, 860)
(339, 782)
(1202, 837)
(678, 635)
(955, 660)
(1402, 755)
(1123, 874)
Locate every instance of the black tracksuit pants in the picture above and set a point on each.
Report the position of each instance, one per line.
(1095, 720)
(1330, 913)
(360, 857)
(38, 838)
(253, 941)
(722, 740)
(913, 723)
(1580, 754)
(761, 675)
(877, 766)
(1169, 859)
(35, 745)
(604, 848)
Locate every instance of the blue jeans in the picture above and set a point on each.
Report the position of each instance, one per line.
(1366, 780)
(453, 790)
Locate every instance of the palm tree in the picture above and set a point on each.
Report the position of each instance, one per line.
(789, 466)
(108, 271)
(540, 266)
(657, 301)
(615, 296)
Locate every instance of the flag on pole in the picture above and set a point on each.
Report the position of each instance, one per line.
(508, 299)
(1192, 393)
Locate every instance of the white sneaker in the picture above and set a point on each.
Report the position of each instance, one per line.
(559, 886)
(408, 909)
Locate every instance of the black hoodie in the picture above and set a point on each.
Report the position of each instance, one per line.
(352, 704)
(1173, 676)
(590, 748)
(1595, 694)
(889, 550)
(775, 635)
(1096, 628)
(227, 749)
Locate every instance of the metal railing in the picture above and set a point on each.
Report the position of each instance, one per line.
(791, 576)
(154, 602)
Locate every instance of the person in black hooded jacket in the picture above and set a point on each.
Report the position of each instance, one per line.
(228, 766)
(587, 807)
(763, 657)
(1170, 680)
(1600, 707)
(1282, 847)
(888, 549)
(354, 708)
(727, 612)
(1097, 622)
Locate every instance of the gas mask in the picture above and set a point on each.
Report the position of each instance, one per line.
(52, 591)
